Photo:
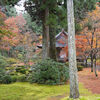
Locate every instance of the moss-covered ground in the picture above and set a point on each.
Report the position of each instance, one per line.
(26, 91)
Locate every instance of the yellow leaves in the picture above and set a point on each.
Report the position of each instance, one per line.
(94, 15)
(40, 37)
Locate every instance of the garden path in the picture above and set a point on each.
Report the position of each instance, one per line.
(90, 81)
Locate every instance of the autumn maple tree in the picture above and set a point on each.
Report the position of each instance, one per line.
(91, 32)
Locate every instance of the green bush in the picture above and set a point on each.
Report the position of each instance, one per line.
(49, 72)
(4, 78)
(22, 78)
(7, 79)
(13, 73)
(80, 68)
(11, 61)
(18, 69)
(21, 69)
(14, 78)
(19, 78)
(67, 64)
(3, 62)
(20, 56)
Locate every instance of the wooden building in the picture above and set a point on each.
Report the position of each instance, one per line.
(61, 46)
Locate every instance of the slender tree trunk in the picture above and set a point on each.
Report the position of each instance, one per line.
(91, 55)
(45, 35)
(95, 67)
(91, 61)
(86, 62)
(95, 55)
(74, 89)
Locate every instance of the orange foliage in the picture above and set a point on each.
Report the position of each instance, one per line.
(92, 19)
(9, 32)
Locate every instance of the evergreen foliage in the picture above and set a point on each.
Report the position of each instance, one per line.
(3, 62)
(8, 2)
(35, 9)
(49, 72)
(36, 27)
(11, 11)
(4, 77)
(83, 6)
(58, 17)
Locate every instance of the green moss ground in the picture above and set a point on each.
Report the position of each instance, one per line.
(26, 91)
(84, 98)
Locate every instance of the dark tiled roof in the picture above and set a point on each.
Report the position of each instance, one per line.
(57, 43)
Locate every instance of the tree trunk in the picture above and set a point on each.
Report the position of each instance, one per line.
(45, 35)
(74, 89)
(86, 62)
(52, 53)
(95, 55)
(65, 1)
(95, 67)
(91, 61)
(91, 55)
(52, 31)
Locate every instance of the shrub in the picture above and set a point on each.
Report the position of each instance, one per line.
(19, 78)
(20, 56)
(13, 73)
(49, 72)
(14, 78)
(22, 78)
(18, 69)
(80, 68)
(3, 62)
(67, 64)
(11, 61)
(4, 78)
(21, 69)
(7, 79)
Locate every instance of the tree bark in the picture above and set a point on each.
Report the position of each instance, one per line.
(95, 67)
(45, 35)
(74, 89)
(95, 55)
(52, 31)
(86, 62)
(52, 53)
(91, 55)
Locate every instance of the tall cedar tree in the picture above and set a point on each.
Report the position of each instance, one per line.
(52, 31)
(43, 11)
(74, 89)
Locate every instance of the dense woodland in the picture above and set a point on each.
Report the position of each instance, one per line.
(29, 48)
